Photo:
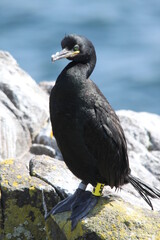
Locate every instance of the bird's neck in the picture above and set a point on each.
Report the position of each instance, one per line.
(90, 65)
(75, 75)
(83, 69)
(80, 70)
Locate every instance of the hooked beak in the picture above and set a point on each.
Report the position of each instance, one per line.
(65, 53)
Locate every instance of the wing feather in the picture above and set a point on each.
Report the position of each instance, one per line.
(105, 140)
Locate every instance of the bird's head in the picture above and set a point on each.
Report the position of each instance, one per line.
(76, 48)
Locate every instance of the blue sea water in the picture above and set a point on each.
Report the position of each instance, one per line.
(126, 35)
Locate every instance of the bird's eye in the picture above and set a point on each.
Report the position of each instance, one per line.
(76, 48)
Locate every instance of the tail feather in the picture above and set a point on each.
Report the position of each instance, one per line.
(144, 190)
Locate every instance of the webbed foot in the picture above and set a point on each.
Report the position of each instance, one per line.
(80, 203)
(82, 206)
(64, 205)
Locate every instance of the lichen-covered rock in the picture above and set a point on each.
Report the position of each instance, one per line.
(24, 205)
(1, 219)
(22, 201)
(55, 172)
(111, 218)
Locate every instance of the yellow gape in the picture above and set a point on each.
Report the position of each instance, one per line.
(51, 134)
(97, 191)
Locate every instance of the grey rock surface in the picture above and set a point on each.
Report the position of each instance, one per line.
(40, 149)
(55, 172)
(24, 108)
(47, 86)
(46, 138)
(143, 140)
(14, 135)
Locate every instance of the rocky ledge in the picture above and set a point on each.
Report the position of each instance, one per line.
(33, 177)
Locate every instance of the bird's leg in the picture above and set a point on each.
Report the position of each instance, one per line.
(80, 203)
(66, 204)
(84, 203)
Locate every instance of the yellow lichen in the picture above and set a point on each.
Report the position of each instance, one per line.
(26, 222)
(7, 161)
(15, 184)
(31, 190)
(19, 176)
(4, 182)
(123, 222)
(54, 168)
(33, 173)
(65, 225)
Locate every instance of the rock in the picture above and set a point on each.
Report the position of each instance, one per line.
(40, 149)
(143, 141)
(55, 172)
(44, 138)
(24, 108)
(111, 218)
(141, 127)
(1, 219)
(47, 86)
(23, 207)
(14, 135)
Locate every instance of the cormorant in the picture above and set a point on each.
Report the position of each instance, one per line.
(88, 132)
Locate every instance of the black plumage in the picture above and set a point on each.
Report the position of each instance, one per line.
(87, 129)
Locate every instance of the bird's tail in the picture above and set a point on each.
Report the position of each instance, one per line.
(144, 190)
